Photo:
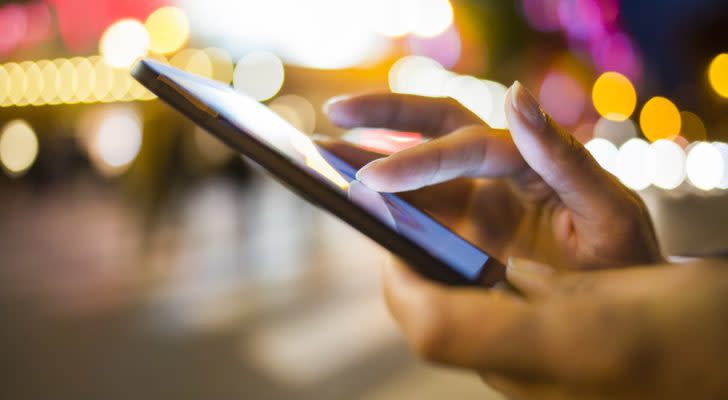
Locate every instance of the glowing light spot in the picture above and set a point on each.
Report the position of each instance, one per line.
(605, 153)
(18, 83)
(497, 118)
(693, 128)
(718, 74)
(472, 93)
(34, 77)
(222, 64)
(18, 147)
(418, 75)
(433, 17)
(391, 18)
(614, 96)
(112, 137)
(723, 150)
(633, 164)
(617, 132)
(301, 111)
(666, 164)
(705, 166)
(121, 84)
(124, 42)
(67, 79)
(51, 81)
(194, 61)
(104, 79)
(169, 30)
(259, 75)
(4, 85)
(660, 119)
(562, 97)
(86, 78)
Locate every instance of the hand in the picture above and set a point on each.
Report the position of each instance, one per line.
(633, 333)
(534, 192)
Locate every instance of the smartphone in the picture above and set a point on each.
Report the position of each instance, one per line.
(255, 131)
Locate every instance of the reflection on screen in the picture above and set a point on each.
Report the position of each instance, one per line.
(262, 123)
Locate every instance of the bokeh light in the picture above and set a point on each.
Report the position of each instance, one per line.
(614, 96)
(124, 42)
(222, 64)
(444, 48)
(259, 75)
(418, 75)
(705, 166)
(633, 164)
(168, 28)
(666, 164)
(86, 78)
(18, 83)
(67, 80)
(562, 97)
(472, 93)
(112, 137)
(18, 147)
(297, 110)
(718, 74)
(660, 119)
(723, 150)
(432, 17)
(605, 153)
(51, 81)
(617, 132)
(4, 86)
(194, 61)
(692, 127)
(34, 77)
(497, 118)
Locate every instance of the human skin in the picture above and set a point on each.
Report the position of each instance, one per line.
(607, 319)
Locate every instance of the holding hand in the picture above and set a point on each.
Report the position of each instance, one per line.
(544, 196)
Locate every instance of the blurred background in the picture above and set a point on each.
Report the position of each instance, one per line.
(139, 258)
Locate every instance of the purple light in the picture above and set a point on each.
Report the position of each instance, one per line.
(618, 53)
(582, 19)
(562, 97)
(13, 26)
(444, 48)
(542, 15)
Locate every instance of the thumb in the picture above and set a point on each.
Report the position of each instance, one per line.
(555, 155)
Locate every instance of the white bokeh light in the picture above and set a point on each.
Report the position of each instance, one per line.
(666, 164)
(118, 139)
(723, 149)
(124, 42)
(617, 132)
(632, 164)
(705, 166)
(432, 17)
(418, 75)
(472, 93)
(605, 153)
(497, 118)
(259, 75)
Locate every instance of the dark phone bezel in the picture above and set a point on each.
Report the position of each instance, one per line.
(299, 181)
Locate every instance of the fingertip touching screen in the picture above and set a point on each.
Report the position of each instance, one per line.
(255, 119)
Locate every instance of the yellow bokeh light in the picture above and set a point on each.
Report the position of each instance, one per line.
(124, 42)
(86, 78)
(18, 147)
(49, 72)
(68, 80)
(718, 74)
(34, 77)
(614, 96)
(194, 61)
(18, 83)
(660, 119)
(4, 86)
(222, 64)
(121, 84)
(104, 79)
(693, 128)
(169, 30)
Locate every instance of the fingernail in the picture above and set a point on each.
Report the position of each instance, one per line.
(363, 174)
(527, 106)
(336, 99)
(523, 267)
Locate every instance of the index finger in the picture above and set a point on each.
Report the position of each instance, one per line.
(403, 112)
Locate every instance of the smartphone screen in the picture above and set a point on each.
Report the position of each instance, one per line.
(265, 126)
